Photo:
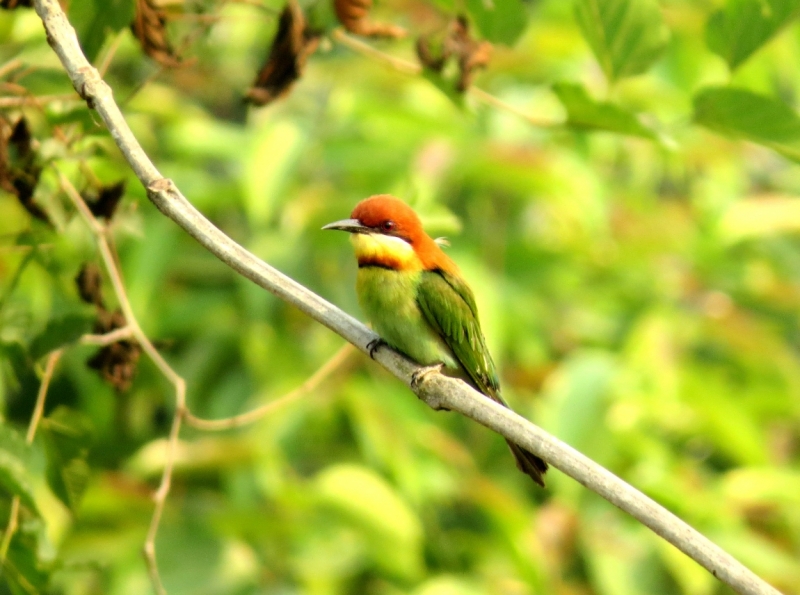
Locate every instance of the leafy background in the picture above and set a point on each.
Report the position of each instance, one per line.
(636, 264)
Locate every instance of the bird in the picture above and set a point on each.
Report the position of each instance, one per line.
(419, 303)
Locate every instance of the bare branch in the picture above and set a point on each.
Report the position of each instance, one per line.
(37, 100)
(333, 364)
(436, 390)
(10, 66)
(112, 337)
(498, 103)
(133, 328)
(105, 64)
(36, 416)
(366, 49)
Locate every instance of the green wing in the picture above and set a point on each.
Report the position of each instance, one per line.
(449, 307)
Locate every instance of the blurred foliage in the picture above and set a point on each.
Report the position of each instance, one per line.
(637, 270)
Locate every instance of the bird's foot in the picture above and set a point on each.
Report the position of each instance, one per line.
(419, 375)
(374, 345)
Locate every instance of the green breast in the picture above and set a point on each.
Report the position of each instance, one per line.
(389, 299)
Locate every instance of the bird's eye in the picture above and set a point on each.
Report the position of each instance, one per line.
(387, 225)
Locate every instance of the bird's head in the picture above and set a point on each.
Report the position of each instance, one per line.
(386, 232)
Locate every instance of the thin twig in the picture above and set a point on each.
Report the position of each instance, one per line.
(11, 528)
(498, 103)
(120, 334)
(436, 390)
(112, 51)
(338, 359)
(13, 87)
(367, 50)
(38, 409)
(10, 66)
(133, 328)
(413, 68)
(36, 416)
(37, 100)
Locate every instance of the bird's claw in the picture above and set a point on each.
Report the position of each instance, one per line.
(374, 345)
(419, 375)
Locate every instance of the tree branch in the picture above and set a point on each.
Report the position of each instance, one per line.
(436, 390)
(133, 329)
(237, 421)
(107, 339)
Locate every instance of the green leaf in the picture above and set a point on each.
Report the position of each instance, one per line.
(60, 332)
(446, 86)
(499, 21)
(626, 36)
(585, 113)
(28, 567)
(368, 500)
(739, 29)
(579, 396)
(95, 19)
(68, 435)
(15, 466)
(742, 114)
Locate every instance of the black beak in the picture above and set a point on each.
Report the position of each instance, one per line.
(348, 225)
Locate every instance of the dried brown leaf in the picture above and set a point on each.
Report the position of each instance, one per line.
(290, 49)
(150, 28)
(12, 4)
(427, 57)
(471, 54)
(90, 284)
(116, 362)
(354, 16)
(103, 202)
(19, 165)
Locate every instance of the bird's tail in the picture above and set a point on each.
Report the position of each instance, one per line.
(529, 463)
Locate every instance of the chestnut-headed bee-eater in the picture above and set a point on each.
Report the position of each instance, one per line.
(419, 303)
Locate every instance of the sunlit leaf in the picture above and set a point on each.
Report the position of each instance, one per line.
(499, 21)
(449, 585)
(763, 486)
(445, 86)
(15, 466)
(743, 114)
(274, 150)
(585, 113)
(741, 27)
(68, 435)
(626, 36)
(762, 216)
(367, 500)
(578, 395)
